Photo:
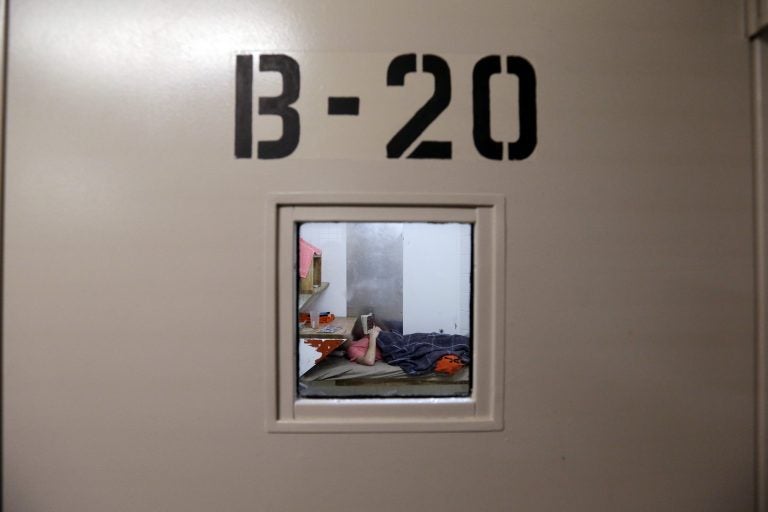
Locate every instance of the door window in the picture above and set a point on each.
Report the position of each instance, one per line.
(384, 309)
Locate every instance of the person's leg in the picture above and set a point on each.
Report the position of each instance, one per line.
(369, 358)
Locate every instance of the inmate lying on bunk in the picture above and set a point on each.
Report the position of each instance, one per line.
(390, 364)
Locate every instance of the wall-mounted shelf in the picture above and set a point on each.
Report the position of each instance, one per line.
(306, 299)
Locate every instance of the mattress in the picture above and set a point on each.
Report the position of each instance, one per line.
(337, 377)
(340, 368)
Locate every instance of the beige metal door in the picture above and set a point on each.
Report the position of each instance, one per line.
(600, 149)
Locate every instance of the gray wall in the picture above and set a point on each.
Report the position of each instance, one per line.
(375, 270)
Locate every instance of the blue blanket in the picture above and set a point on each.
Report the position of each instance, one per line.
(417, 353)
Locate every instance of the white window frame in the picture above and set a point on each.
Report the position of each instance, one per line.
(482, 410)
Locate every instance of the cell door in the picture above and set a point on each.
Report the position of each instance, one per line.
(378, 256)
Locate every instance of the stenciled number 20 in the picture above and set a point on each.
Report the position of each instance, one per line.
(397, 70)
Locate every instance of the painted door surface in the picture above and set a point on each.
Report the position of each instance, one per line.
(139, 294)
